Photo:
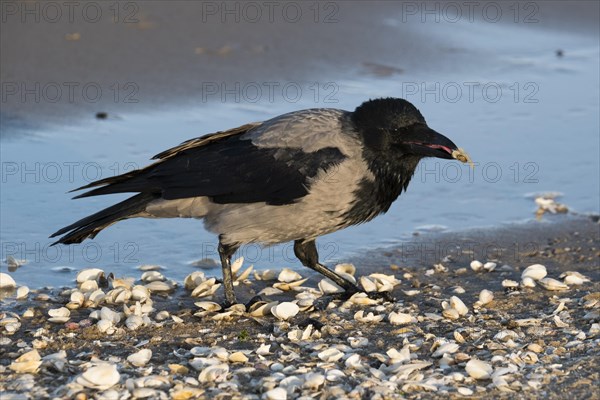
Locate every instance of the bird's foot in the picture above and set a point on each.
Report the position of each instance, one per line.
(226, 304)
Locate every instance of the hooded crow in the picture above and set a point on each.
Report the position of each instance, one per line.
(292, 178)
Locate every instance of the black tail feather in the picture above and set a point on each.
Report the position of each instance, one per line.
(89, 227)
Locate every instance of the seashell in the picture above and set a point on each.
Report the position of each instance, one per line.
(109, 315)
(459, 290)
(458, 305)
(122, 282)
(149, 267)
(478, 369)
(104, 325)
(275, 394)
(459, 337)
(152, 276)
(88, 286)
(528, 282)
(140, 293)
(446, 348)
(401, 356)
(59, 315)
(510, 284)
(289, 286)
(370, 317)
(358, 342)
(133, 322)
(27, 363)
(285, 310)
(313, 380)
(270, 291)
(238, 357)
(464, 391)
(485, 296)
(489, 266)
(287, 275)
(354, 362)
(214, 373)
(193, 280)
(262, 308)
(451, 313)
(328, 287)
(361, 298)
(535, 272)
(266, 275)
(263, 349)
(90, 274)
(160, 286)
(77, 297)
(400, 318)
(244, 275)
(208, 306)
(367, 284)
(572, 278)
(476, 265)
(100, 377)
(140, 358)
(29, 313)
(236, 265)
(178, 369)
(330, 355)
(552, 284)
(345, 269)
(22, 292)
(206, 288)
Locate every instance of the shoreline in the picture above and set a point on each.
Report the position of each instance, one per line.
(356, 348)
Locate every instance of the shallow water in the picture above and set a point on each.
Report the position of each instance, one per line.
(530, 122)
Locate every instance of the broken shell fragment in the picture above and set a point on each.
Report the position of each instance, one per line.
(140, 358)
(27, 363)
(462, 156)
(553, 284)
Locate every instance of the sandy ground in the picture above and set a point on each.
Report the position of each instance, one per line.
(550, 338)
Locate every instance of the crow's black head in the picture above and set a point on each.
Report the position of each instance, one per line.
(394, 127)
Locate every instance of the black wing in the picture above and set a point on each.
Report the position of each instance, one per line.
(229, 170)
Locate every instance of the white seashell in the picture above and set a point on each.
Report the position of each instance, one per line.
(287, 275)
(77, 297)
(478, 369)
(266, 275)
(264, 349)
(528, 282)
(535, 272)
(244, 275)
(261, 309)
(368, 284)
(446, 348)
(451, 313)
(509, 284)
(276, 394)
(401, 356)
(464, 391)
(238, 357)
(88, 286)
(574, 278)
(208, 306)
(353, 362)
(358, 342)
(476, 265)
(59, 312)
(140, 293)
(458, 305)
(485, 296)
(133, 322)
(237, 264)
(328, 287)
(289, 286)
(122, 282)
(140, 358)
(214, 373)
(363, 299)
(345, 269)
(270, 291)
(489, 266)
(313, 380)
(22, 292)
(459, 290)
(104, 325)
(552, 284)
(29, 313)
(370, 317)
(100, 377)
(193, 280)
(160, 286)
(330, 355)
(400, 318)
(109, 315)
(90, 274)
(206, 288)
(6, 281)
(285, 310)
(152, 276)
(97, 296)
(27, 363)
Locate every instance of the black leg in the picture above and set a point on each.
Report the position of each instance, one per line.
(225, 252)
(306, 251)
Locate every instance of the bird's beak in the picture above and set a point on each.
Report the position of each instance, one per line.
(424, 141)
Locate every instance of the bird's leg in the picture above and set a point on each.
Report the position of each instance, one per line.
(306, 251)
(225, 252)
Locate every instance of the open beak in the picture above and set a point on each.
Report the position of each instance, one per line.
(424, 141)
